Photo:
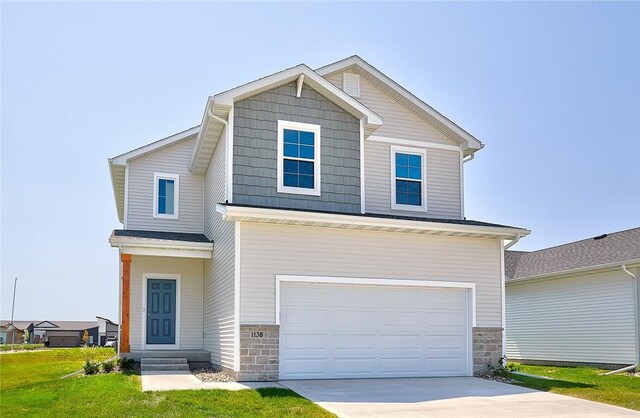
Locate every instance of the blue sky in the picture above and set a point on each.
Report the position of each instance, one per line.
(552, 89)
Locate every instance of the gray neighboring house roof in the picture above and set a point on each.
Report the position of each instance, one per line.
(617, 247)
(21, 325)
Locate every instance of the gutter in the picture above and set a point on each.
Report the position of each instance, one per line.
(637, 321)
(513, 242)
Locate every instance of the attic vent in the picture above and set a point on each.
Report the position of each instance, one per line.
(351, 84)
(600, 236)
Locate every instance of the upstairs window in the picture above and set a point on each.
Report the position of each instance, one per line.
(298, 158)
(408, 171)
(165, 195)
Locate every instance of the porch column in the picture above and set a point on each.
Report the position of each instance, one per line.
(126, 302)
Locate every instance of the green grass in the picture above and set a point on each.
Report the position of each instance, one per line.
(40, 392)
(584, 382)
(20, 347)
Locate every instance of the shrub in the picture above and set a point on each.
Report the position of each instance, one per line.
(126, 363)
(91, 367)
(502, 369)
(108, 366)
(89, 352)
(19, 347)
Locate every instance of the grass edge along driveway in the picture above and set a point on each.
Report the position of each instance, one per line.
(585, 383)
(118, 394)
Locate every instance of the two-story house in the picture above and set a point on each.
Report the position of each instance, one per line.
(312, 226)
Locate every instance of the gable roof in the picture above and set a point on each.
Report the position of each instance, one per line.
(117, 164)
(601, 251)
(217, 110)
(19, 325)
(406, 98)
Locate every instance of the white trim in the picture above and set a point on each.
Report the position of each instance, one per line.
(463, 135)
(229, 149)
(394, 149)
(412, 143)
(317, 148)
(176, 195)
(165, 276)
(298, 217)
(126, 195)
(461, 184)
(236, 298)
(362, 172)
(471, 305)
(170, 140)
(504, 296)
(162, 248)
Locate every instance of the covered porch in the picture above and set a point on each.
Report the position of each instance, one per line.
(161, 288)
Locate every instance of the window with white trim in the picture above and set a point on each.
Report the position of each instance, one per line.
(298, 158)
(165, 195)
(408, 174)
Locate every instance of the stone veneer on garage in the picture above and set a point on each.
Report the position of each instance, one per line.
(259, 353)
(487, 348)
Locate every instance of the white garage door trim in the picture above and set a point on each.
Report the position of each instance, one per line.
(388, 282)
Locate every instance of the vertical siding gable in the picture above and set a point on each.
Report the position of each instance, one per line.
(173, 159)
(255, 150)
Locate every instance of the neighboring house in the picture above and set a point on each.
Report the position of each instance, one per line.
(311, 227)
(106, 330)
(575, 303)
(14, 333)
(58, 333)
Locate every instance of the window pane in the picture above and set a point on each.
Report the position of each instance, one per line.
(402, 171)
(162, 187)
(307, 138)
(402, 186)
(306, 151)
(402, 159)
(414, 186)
(415, 160)
(169, 206)
(291, 166)
(161, 204)
(291, 136)
(169, 189)
(415, 173)
(414, 199)
(306, 182)
(306, 167)
(291, 150)
(402, 198)
(291, 180)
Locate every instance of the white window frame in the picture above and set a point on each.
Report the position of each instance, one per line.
(307, 127)
(415, 151)
(176, 195)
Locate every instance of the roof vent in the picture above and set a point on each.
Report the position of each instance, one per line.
(351, 84)
(600, 237)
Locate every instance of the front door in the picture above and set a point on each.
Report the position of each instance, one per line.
(161, 311)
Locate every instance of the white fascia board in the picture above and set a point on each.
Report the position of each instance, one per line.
(158, 247)
(123, 158)
(239, 213)
(471, 141)
(119, 205)
(311, 78)
(566, 273)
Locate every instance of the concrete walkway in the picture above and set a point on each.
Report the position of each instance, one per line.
(444, 397)
(184, 380)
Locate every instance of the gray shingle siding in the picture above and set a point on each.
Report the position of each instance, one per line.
(255, 150)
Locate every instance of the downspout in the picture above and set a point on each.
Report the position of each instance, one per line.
(218, 118)
(635, 300)
(468, 158)
(226, 165)
(119, 295)
(513, 242)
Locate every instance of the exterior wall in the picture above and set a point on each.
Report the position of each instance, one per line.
(191, 321)
(267, 250)
(259, 352)
(219, 271)
(173, 159)
(584, 318)
(255, 150)
(443, 182)
(444, 194)
(487, 349)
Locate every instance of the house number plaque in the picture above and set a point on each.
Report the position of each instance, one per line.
(257, 334)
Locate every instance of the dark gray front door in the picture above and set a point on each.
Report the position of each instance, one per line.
(161, 311)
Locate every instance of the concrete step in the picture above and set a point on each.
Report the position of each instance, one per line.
(164, 367)
(164, 360)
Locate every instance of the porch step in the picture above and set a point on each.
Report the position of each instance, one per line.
(164, 364)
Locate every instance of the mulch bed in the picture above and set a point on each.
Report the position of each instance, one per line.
(500, 379)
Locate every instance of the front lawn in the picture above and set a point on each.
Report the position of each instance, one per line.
(38, 391)
(583, 382)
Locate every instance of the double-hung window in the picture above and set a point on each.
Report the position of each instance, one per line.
(165, 195)
(298, 158)
(408, 172)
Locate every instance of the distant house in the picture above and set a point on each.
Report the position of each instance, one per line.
(106, 330)
(59, 333)
(575, 303)
(14, 333)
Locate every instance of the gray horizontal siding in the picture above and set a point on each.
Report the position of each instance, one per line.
(255, 150)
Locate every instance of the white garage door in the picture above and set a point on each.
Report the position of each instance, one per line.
(347, 331)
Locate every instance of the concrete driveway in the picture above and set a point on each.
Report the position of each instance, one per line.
(444, 397)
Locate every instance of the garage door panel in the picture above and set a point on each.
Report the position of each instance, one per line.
(354, 331)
